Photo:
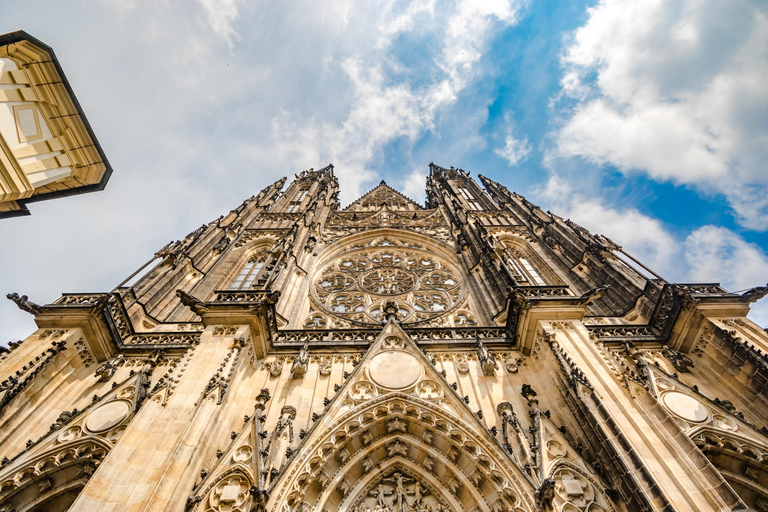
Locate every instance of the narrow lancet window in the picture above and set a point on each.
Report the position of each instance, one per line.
(247, 276)
(471, 201)
(524, 272)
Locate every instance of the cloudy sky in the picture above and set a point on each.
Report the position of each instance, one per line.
(644, 120)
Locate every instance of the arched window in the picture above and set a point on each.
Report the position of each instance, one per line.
(522, 270)
(251, 270)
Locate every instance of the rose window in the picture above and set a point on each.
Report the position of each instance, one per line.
(388, 281)
(358, 285)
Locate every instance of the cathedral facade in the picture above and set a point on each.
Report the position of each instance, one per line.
(474, 354)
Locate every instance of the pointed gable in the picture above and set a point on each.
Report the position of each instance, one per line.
(383, 194)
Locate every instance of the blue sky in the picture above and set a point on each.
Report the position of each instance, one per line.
(644, 120)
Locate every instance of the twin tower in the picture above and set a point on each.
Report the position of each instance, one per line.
(474, 354)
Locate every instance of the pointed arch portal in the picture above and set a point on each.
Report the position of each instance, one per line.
(396, 437)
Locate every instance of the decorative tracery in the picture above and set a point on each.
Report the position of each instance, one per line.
(357, 285)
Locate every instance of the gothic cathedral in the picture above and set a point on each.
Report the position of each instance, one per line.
(476, 354)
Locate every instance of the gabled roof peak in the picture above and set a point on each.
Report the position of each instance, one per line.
(382, 195)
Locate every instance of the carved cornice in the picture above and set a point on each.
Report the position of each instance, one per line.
(674, 299)
(104, 314)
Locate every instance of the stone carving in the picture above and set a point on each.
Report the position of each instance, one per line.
(399, 492)
(344, 487)
(276, 367)
(230, 495)
(108, 369)
(397, 448)
(362, 390)
(545, 494)
(396, 425)
(681, 362)
(461, 364)
(325, 366)
(429, 390)
(393, 342)
(196, 305)
(511, 364)
(453, 485)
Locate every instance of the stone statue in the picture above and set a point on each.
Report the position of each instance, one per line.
(487, 361)
(301, 362)
(545, 494)
(398, 481)
(108, 369)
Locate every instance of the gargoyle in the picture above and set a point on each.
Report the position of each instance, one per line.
(754, 294)
(592, 295)
(196, 305)
(24, 303)
(520, 301)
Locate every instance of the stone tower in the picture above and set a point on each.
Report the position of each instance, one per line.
(475, 354)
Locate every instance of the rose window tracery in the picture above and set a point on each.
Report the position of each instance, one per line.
(388, 281)
(357, 285)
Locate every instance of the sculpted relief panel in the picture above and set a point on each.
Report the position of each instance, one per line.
(358, 284)
(399, 492)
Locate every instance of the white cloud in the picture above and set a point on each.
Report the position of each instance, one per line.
(221, 16)
(718, 254)
(673, 90)
(515, 151)
(413, 186)
(384, 105)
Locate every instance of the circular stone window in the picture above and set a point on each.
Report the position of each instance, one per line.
(357, 285)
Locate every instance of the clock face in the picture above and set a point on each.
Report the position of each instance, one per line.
(357, 285)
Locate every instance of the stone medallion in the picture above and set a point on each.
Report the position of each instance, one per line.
(107, 416)
(394, 370)
(685, 406)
